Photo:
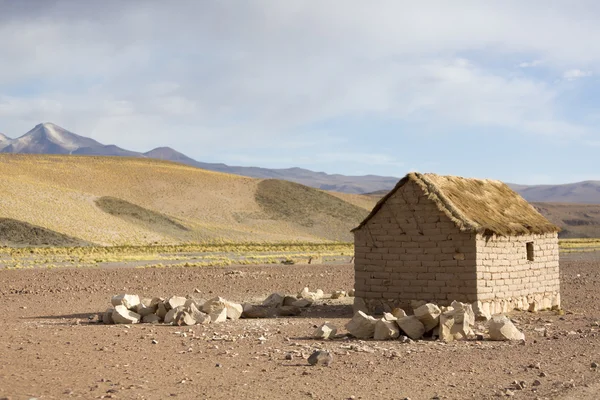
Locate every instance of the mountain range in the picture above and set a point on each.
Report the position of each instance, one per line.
(48, 138)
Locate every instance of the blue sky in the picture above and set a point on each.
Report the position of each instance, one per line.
(507, 91)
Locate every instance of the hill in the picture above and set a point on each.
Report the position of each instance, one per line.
(110, 200)
(576, 220)
(587, 192)
(48, 138)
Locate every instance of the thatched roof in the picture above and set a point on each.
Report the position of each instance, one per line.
(476, 205)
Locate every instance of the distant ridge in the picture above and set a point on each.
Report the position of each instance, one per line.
(49, 138)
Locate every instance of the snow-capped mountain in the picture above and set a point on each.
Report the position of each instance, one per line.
(48, 138)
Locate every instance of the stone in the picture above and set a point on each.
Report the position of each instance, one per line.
(290, 300)
(362, 326)
(465, 311)
(144, 309)
(107, 316)
(501, 328)
(172, 313)
(161, 310)
(386, 330)
(411, 326)
(122, 315)
(215, 305)
(429, 315)
(338, 294)
(320, 357)
(174, 302)
(398, 313)
(302, 303)
(481, 312)
(251, 311)
(325, 331)
(130, 301)
(351, 293)
(184, 318)
(218, 316)
(307, 294)
(200, 317)
(390, 317)
(359, 305)
(456, 323)
(151, 319)
(288, 311)
(274, 300)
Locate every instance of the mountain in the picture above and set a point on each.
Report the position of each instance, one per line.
(580, 192)
(54, 199)
(49, 138)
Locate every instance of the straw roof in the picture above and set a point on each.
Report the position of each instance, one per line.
(476, 205)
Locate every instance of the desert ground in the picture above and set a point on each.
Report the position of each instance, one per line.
(51, 350)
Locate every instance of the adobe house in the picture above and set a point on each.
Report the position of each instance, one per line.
(444, 238)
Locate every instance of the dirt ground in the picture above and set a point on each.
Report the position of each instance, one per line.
(48, 350)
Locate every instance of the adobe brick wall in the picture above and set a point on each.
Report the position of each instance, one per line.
(409, 251)
(507, 279)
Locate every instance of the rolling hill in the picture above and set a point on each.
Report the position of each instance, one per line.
(48, 138)
(110, 200)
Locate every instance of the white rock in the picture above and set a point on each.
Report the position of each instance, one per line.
(121, 315)
(501, 328)
(174, 302)
(274, 300)
(390, 317)
(325, 331)
(307, 294)
(130, 301)
(362, 326)
(386, 330)
(172, 313)
(218, 316)
(481, 312)
(411, 325)
(183, 318)
(217, 304)
(338, 294)
(200, 317)
(456, 323)
(234, 310)
(398, 312)
(429, 315)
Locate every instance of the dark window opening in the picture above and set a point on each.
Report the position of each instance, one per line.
(529, 251)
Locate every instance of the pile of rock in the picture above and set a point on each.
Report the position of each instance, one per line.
(451, 323)
(176, 310)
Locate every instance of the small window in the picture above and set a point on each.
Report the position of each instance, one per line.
(529, 251)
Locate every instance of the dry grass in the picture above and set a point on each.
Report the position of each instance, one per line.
(476, 205)
(61, 194)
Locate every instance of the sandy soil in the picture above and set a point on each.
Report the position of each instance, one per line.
(50, 351)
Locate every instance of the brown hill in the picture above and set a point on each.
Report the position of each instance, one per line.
(575, 220)
(115, 200)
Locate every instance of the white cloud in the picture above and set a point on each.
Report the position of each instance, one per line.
(531, 64)
(573, 74)
(212, 73)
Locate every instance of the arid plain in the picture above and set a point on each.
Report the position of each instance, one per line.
(190, 232)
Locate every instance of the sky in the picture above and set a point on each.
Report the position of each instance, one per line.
(505, 90)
